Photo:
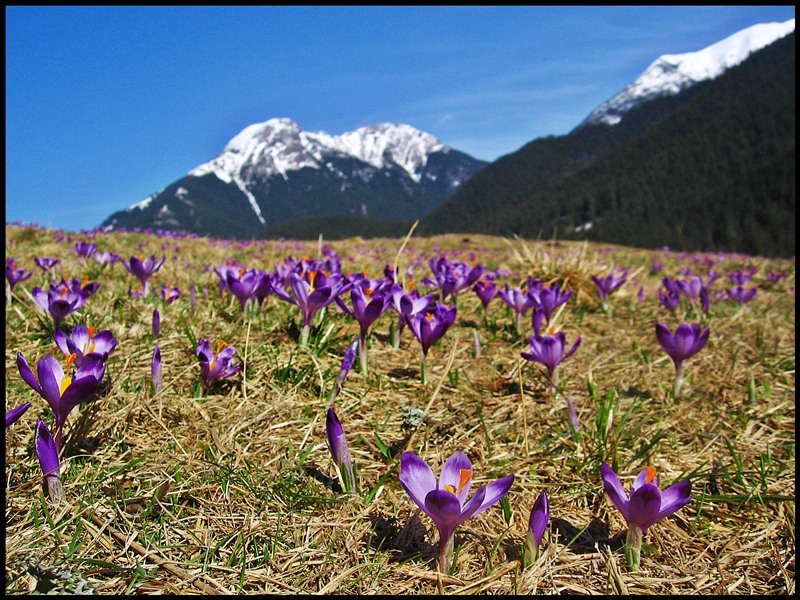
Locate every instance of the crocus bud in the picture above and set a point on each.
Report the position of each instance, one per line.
(537, 525)
(337, 444)
(347, 364)
(47, 453)
(155, 370)
(156, 323)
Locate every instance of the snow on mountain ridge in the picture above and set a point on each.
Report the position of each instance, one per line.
(279, 145)
(671, 73)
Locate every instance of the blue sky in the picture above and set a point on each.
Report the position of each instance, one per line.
(106, 105)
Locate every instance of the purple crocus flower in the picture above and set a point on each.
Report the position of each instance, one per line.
(694, 290)
(687, 341)
(216, 365)
(740, 294)
(15, 274)
(551, 297)
(313, 292)
(143, 269)
(549, 351)
(169, 293)
(486, 289)
(85, 249)
(107, 258)
(610, 283)
(646, 506)
(62, 391)
(370, 300)
(45, 263)
(537, 525)
(429, 326)
(47, 453)
(410, 303)
(242, 283)
(670, 300)
(519, 300)
(62, 299)
(13, 415)
(445, 501)
(337, 444)
(85, 343)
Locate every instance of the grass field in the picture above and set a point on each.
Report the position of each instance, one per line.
(233, 490)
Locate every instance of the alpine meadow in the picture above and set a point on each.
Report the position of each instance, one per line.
(456, 414)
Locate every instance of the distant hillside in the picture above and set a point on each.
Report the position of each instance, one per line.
(711, 168)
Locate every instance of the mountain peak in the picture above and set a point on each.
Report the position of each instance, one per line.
(671, 73)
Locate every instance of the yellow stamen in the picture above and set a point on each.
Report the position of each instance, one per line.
(67, 379)
(220, 345)
(465, 476)
(651, 473)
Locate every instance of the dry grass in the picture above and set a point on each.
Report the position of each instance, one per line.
(235, 492)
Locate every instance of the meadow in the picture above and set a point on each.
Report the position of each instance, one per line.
(231, 488)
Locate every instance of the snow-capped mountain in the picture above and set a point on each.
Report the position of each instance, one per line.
(275, 171)
(671, 73)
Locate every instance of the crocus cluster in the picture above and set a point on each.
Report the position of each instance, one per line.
(64, 298)
(452, 276)
(63, 389)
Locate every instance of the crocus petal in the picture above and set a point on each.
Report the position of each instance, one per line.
(416, 477)
(644, 506)
(614, 489)
(27, 374)
(675, 497)
(493, 493)
(50, 376)
(540, 515)
(62, 341)
(13, 415)
(46, 449)
(451, 475)
(80, 390)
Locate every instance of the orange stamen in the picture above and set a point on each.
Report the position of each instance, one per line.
(312, 275)
(220, 345)
(651, 473)
(466, 477)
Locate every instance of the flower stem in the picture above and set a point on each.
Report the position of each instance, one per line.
(422, 368)
(633, 546)
(446, 555)
(680, 371)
